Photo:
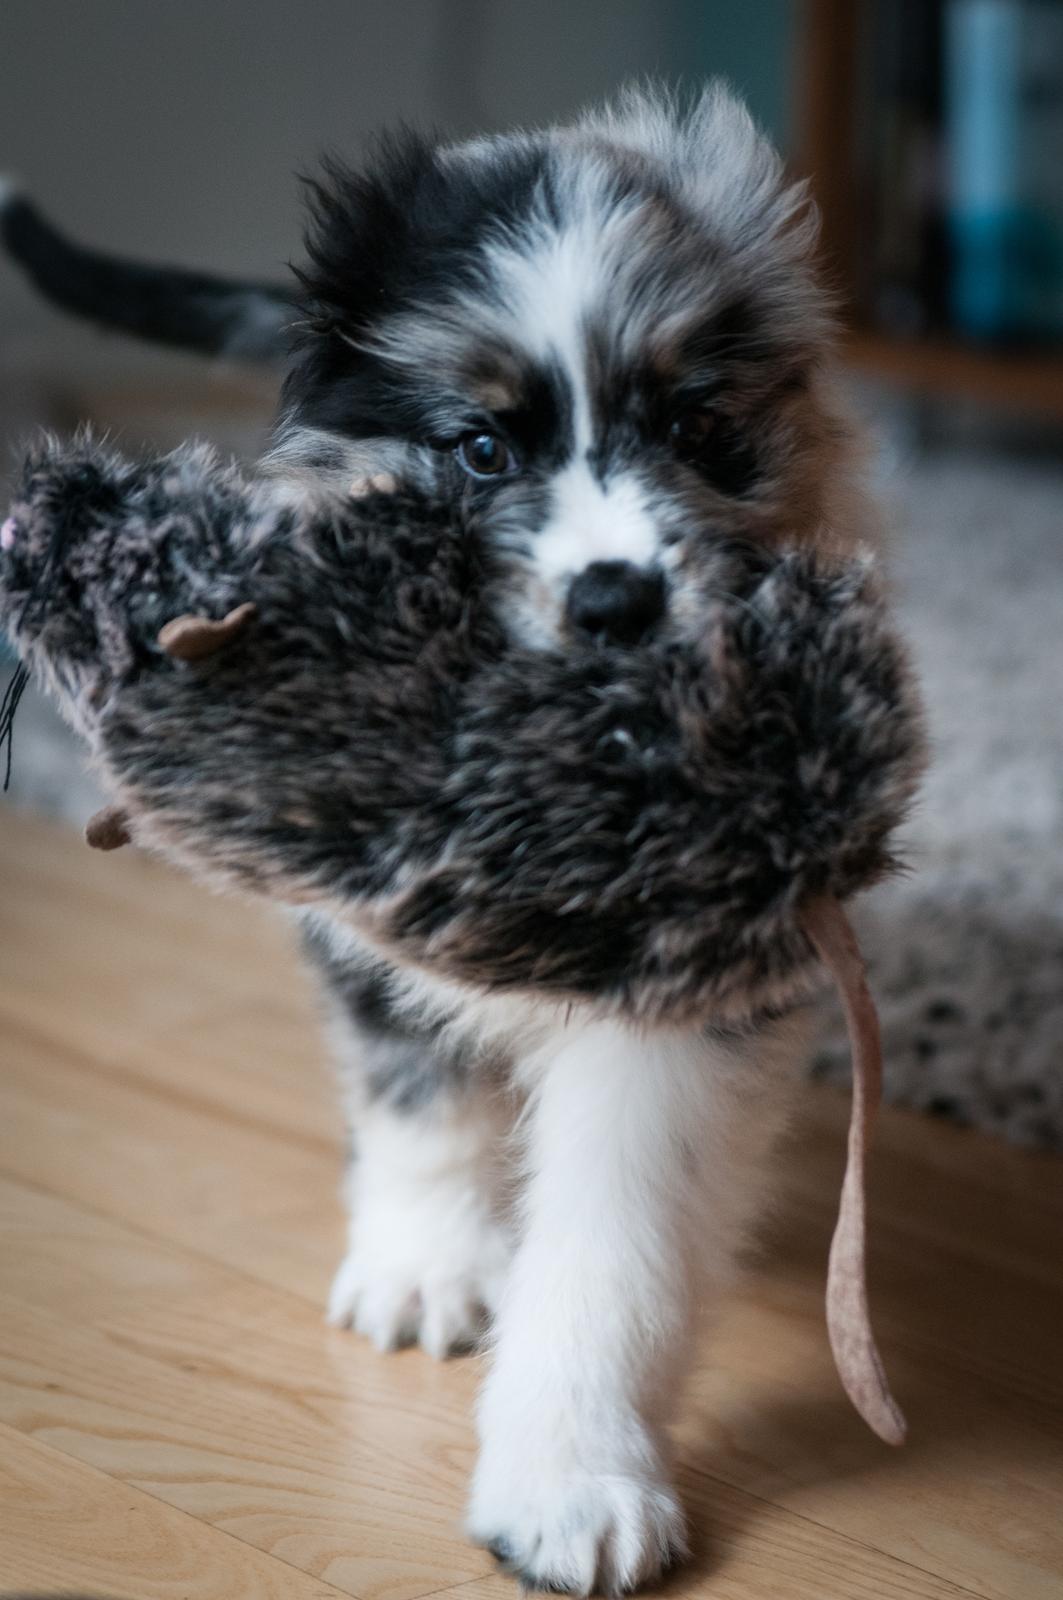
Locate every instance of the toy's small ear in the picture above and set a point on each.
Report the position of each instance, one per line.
(108, 829)
(190, 638)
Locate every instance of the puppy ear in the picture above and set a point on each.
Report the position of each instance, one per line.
(362, 223)
(719, 160)
(365, 246)
(739, 176)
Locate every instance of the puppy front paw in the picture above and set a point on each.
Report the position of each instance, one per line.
(569, 1518)
(402, 1283)
(445, 1315)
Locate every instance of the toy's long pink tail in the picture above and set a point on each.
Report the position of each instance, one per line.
(848, 1318)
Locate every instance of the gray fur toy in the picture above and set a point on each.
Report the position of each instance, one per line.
(318, 701)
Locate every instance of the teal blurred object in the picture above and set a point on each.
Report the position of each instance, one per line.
(1004, 133)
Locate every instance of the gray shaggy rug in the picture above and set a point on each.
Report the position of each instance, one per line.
(967, 951)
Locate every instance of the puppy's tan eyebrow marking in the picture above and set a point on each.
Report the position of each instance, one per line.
(496, 395)
(376, 483)
(494, 377)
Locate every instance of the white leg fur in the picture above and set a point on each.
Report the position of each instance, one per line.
(429, 1242)
(646, 1155)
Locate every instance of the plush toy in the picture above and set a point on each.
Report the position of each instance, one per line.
(318, 701)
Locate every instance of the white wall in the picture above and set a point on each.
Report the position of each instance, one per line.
(172, 128)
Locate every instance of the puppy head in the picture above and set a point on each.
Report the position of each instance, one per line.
(609, 337)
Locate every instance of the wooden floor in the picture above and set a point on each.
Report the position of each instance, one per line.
(176, 1421)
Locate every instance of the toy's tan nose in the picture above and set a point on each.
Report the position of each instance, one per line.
(616, 601)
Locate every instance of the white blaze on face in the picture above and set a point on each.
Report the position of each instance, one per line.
(594, 521)
(554, 286)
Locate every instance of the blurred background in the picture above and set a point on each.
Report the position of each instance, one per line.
(932, 131)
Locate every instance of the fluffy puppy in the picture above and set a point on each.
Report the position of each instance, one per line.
(610, 339)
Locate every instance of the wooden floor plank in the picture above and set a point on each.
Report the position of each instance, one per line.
(68, 1528)
(975, 1495)
(59, 1257)
(349, 1467)
(241, 1195)
(170, 1218)
(166, 974)
(358, 1485)
(748, 1550)
(233, 1402)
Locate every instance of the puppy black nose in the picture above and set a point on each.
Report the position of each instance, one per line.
(615, 600)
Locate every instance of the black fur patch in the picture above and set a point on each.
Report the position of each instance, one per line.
(403, 1064)
(408, 229)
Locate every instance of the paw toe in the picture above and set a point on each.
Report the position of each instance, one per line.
(615, 1538)
(394, 1311)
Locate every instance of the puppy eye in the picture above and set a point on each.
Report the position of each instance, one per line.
(691, 431)
(485, 455)
(721, 453)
